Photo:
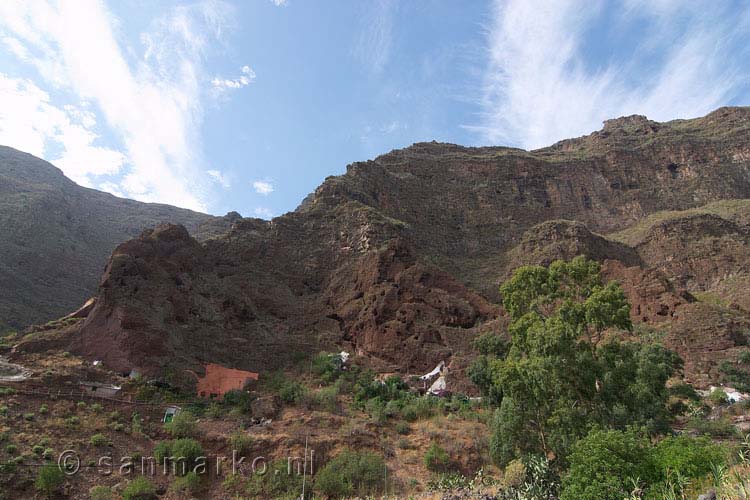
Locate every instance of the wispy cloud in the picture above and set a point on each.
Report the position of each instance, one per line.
(373, 47)
(263, 187)
(220, 178)
(152, 104)
(246, 77)
(29, 122)
(280, 3)
(538, 87)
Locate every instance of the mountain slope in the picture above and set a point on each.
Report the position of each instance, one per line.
(399, 259)
(57, 237)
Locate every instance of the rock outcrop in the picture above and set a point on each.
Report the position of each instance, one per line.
(399, 259)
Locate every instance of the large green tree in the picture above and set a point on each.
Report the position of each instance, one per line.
(565, 368)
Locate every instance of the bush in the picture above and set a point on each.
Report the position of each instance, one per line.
(602, 464)
(185, 451)
(183, 425)
(43, 410)
(684, 390)
(688, 457)
(237, 399)
(436, 459)
(99, 440)
(37, 449)
(49, 479)
(162, 451)
(277, 482)
(100, 493)
(139, 488)
(718, 397)
(351, 473)
(190, 483)
(402, 428)
(241, 442)
(291, 392)
(11, 449)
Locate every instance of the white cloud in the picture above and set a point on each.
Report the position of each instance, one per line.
(373, 47)
(263, 187)
(29, 122)
(153, 104)
(538, 90)
(263, 213)
(246, 77)
(221, 178)
(280, 3)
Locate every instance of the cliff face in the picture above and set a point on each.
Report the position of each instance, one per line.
(400, 258)
(57, 237)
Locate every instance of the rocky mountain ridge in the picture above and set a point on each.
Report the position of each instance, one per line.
(57, 237)
(399, 259)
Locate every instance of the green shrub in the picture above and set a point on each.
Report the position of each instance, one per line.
(237, 399)
(190, 483)
(718, 397)
(183, 425)
(185, 451)
(241, 442)
(11, 449)
(688, 457)
(43, 410)
(100, 493)
(49, 479)
(683, 390)
(277, 482)
(291, 392)
(603, 463)
(48, 454)
(99, 440)
(719, 428)
(402, 428)
(139, 488)
(28, 416)
(436, 459)
(96, 408)
(327, 367)
(37, 450)
(162, 451)
(72, 421)
(4, 410)
(351, 473)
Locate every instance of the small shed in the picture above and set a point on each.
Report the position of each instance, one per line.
(170, 413)
(100, 390)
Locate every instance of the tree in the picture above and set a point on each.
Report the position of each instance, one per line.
(49, 479)
(564, 372)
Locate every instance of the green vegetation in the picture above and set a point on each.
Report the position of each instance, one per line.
(241, 442)
(183, 425)
(184, 454)
(561, 376)
(101, 493)
(351, 473)
(49, 479)
(436, 459)
(608, 465)
(99, 440)
(189, 484)
(277, 481)
(139, 488)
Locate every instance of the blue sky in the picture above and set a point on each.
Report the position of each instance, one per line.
(248, 106)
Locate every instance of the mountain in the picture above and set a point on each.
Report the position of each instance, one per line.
(400, 258)
(57, 237)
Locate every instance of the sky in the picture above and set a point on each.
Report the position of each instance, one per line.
(248, 106)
